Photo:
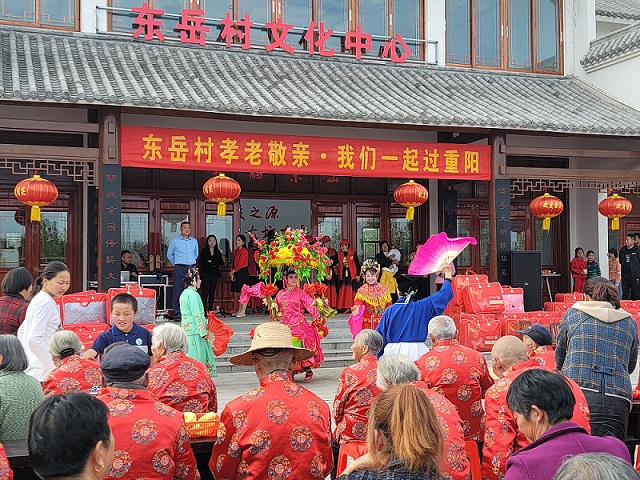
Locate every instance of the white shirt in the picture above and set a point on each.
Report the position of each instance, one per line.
(394, 267)
(42, 320)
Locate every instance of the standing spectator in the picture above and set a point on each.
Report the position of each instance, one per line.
(538, 343)
(182, 253)
(388, 261)
(72, 373)
(578, 270)
(502, 438)
(43, 318)
(126, 266)
(542, 403)
(16, 287)
(593, 267)
(210, 262)
(240, 272)
(459, 373)
(151, 437)
(177, 380)
(69, 437)
(630, 269)
(332, 280)
(195, 323)
(615, 273)
(278, 429)
(348, 275)
(20, 393)
(357, 390)
(597, 346)
(636, 239)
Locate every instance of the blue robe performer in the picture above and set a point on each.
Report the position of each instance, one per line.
(404, 325)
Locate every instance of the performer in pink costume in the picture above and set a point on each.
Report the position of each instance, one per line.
(292, 302)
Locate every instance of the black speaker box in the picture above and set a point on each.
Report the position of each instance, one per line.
(526, 273)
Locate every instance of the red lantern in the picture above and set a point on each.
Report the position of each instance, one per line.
(222, 190)
(36, 192)
(615, 207)
(410, 195)
(546, 207)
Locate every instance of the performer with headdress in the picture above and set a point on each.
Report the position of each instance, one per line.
(292, 302)
(348, 275)
(331, 281)
(373, 296)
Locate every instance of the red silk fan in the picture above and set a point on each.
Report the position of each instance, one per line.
(437, 252)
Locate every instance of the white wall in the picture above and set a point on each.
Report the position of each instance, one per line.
(619, 79)
(436, 26)
(579, 30)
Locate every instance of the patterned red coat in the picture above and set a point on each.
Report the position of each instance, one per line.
(455, 463)
(277, 430)
(74, 375)
(183, 383)
(545, 355)
(461, 375)
(5, 470)
(501, 438)
(356, 391)
(152, 441)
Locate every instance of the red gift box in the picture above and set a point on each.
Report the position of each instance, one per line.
(459, 282)
(479, 331)
(483, 298)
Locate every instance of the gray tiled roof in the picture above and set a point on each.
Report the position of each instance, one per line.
(614, 44)
(85, 69)
(629, 9)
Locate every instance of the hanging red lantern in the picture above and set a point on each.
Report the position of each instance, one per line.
(36, 192)
(615, 207)
(410, 195)
(221, 190)
(546, 207)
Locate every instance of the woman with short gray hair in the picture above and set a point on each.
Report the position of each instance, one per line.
(176, 379)
(20, 393)
(596, 466)
(72, 373)
(396, 369)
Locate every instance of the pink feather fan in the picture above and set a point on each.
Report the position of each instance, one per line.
(437, 252)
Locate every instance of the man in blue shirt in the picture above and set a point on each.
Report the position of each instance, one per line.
(182, 253)
(404, 326)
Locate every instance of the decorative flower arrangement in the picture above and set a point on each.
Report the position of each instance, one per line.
(268, 292)
(292, 248)
(317, 292)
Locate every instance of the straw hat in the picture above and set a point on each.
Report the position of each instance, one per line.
(271, 335)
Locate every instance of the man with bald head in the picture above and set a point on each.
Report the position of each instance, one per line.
(501, 439)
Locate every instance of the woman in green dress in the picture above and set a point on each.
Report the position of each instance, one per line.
(194, 322)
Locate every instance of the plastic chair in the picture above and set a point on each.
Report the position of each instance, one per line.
(349, 452)
(471, 449)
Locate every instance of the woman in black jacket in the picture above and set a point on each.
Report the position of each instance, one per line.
(210, 261)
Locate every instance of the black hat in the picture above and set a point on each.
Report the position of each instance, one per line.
(407, 283)
(124, 363)
(538, 333)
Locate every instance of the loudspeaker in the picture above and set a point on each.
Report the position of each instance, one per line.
(526, 273)
(526, 267)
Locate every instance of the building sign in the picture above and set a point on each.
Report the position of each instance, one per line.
(503, 229)
(258, 216)
(192, 28)
(110, 227)
(150, 147)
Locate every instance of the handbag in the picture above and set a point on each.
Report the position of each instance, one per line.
(83, 307)
(146, 298)
(219, 334)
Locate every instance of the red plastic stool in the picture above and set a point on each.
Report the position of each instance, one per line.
(471, 449)
(349, 452)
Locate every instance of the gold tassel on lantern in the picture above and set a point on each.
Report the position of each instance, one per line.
(222, 209)
(546, 224)
(615, 223)
(35, 213)
(410, 213)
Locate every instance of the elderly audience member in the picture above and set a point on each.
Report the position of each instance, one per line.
(69, 437)
(405, 439)
(457, 372)
(404, 325)
(542, 404)
(356, 391)
(20, 393)
(397, 369)
(501, 437)
(597, 346)
(538, 343)
(176, 379)
(151, 437)
(5, 469)
(16, 287)
(596, 466)
(72, 373)
(279, 429)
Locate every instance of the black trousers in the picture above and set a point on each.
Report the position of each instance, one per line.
(630, 288)
(609, 415)
(209, 284)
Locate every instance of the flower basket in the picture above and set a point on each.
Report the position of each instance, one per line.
(204, 428)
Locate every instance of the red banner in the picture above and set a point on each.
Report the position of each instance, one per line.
(150, 147)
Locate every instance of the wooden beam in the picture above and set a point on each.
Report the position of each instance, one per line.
(45, 152)
(571, 152)
(46, 126)
(464, 138)
(573, 174)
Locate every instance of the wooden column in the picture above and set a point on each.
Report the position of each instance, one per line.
(109, 200)
(497, 140)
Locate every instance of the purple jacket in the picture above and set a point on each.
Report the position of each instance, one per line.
(541, 459)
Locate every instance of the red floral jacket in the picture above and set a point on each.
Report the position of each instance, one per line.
(74, 375)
